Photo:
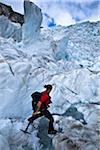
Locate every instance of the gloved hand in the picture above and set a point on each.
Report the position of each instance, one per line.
(30, 119)
(34, 113)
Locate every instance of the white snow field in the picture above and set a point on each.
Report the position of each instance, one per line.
(66, 57)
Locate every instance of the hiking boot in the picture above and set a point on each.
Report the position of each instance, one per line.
(52, 131)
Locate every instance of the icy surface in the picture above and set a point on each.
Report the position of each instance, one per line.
(3, 143)
(9, 29)
(32, 19)
(68, 58)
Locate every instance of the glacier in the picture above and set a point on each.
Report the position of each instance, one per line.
(66, 57)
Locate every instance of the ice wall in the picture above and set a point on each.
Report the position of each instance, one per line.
(9, 29)
(32, 19)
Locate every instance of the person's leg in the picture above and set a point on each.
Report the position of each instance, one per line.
(48, 115)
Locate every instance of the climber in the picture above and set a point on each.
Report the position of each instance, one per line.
(42, 109)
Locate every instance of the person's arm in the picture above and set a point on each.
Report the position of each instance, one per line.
(38, 108)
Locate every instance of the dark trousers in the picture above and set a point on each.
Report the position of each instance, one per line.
(45, 113)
